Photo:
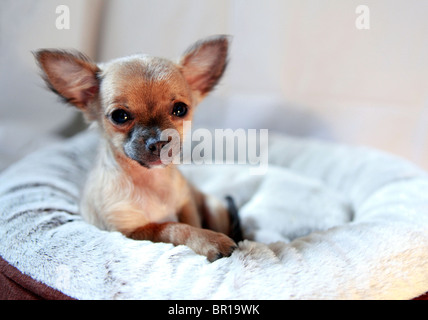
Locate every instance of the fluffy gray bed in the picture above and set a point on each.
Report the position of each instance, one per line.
(325, 222)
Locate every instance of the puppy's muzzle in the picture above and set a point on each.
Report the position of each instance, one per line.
(144, 145)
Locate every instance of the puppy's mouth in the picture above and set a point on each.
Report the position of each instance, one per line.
(149, 160)
(156, 163)
(148, 163)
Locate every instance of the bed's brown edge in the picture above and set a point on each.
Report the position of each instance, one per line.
(14, 285)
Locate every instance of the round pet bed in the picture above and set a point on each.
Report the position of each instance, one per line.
(326, 221)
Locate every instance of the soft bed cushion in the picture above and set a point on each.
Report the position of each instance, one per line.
(326, 221)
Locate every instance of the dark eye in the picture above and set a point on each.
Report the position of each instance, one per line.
(179, 109)
(120, 116)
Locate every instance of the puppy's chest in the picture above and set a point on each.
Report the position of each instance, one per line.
(156, 204)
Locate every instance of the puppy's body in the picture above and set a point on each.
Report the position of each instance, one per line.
(115, 200)
(132, 100)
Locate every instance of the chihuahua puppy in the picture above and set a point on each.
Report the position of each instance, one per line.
(132, 100)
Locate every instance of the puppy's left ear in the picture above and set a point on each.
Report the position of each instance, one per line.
(204, 63)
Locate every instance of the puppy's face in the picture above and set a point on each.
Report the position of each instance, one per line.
(140, 97)
(134, 99)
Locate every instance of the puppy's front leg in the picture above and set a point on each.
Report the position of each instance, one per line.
(210, 211)
(211, 244)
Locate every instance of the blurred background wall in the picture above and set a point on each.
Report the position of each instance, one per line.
(301, 67)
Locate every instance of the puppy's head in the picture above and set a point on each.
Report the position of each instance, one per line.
(134, 99)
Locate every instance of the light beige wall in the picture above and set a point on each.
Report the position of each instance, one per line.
(30, 115)
(366, 86)
(363, 86)
(25, 26)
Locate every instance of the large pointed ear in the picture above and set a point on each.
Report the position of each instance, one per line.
(204, 63)
(69, 74)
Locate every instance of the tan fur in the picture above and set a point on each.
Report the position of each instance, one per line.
(144, 199)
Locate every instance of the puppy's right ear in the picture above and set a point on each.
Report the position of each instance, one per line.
(70, 75)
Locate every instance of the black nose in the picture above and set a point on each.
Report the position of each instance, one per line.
(156, 147)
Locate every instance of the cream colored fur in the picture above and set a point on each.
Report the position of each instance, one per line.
(115, 200)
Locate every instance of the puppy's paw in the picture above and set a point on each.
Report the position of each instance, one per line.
(224, 248)
(213, 245)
